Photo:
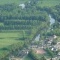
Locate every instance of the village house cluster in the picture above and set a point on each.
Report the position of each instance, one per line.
(40, 49)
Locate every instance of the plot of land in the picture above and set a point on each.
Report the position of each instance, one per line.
(40, 51)
(12, 1)
(47, 3)
(7, 39)
(7, 42)
(9, 35)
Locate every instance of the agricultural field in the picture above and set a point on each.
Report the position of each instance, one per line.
(48, 3)
(6, 40)
(4, 43)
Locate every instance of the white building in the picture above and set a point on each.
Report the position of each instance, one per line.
(22, 5)
(55, 36)
(15, 59)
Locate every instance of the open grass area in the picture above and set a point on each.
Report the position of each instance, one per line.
(41, 3)
(48, 3)
(7, 39)
(10, 34)
(6, 42)
(12, 1)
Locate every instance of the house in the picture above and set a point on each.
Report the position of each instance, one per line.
(54, 36)
(33, 46)
(14, 58)
(58, 55)
(55, 58)
(54, 49)
(23, 53)
(22, 5)
(57, 45)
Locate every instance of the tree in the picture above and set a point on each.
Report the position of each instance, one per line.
(42, 58)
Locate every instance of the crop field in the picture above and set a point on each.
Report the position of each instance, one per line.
(7, 39)
(7, 42)
(48, 3)
(9, 35)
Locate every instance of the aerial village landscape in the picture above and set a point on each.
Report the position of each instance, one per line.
(30, 30)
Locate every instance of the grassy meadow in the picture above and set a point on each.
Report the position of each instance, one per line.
(7, 39)
(6, 42)
(40, 3)
(48, 3)
(12, 1)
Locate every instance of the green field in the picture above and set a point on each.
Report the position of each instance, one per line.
(6, 42)
(10, 37)
(48, 3)
(7, 39)
(41, 3)
(12, 1)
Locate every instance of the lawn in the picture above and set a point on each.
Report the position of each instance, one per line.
(48, 3)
